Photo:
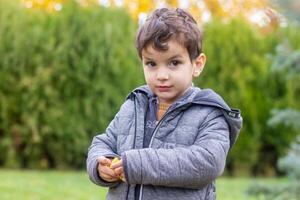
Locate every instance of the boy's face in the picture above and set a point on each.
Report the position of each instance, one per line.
(170, 73)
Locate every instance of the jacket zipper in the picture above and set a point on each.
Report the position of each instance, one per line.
(155, 130)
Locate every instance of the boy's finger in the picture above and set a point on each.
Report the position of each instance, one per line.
(105, 176)
(119, 171)
(108, 171)
(108, 177)
(104, 161)
(116, 165)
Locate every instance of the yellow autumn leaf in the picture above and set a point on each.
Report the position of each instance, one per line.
(115, 160)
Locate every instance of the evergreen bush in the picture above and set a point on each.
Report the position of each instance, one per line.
(290, 191)
(63, 77)
(287, 63)
(240, 68)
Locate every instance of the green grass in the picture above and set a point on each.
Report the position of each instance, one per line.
(234, 188)
(46, 185)
(67, 185)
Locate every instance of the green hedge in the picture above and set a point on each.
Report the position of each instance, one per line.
(239, 68)
(64, 75)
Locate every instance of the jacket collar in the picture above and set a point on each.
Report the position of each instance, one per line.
(202, 97)
(195, 96)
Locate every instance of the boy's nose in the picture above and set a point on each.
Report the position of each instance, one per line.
(162, 75)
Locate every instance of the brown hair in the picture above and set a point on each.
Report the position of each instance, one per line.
(165, 24)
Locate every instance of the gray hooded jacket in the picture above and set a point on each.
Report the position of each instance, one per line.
(187, 151)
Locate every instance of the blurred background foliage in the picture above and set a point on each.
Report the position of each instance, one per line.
(201, 10)
(62, 79)
(66, 67)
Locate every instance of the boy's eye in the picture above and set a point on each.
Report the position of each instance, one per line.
(174, 62)
(150, 64)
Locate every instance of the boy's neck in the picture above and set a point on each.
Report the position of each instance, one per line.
(162, 109)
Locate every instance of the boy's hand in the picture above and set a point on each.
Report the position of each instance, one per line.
(104, 170)
(117, 166)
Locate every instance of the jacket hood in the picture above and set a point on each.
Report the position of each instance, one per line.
(207, 97)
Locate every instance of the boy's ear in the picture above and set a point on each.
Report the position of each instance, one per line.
(199, 64)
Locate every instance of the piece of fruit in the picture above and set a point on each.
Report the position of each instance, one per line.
(115, 160)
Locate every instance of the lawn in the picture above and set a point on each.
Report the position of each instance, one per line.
(67, 185)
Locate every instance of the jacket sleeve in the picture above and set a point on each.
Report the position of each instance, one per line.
(104, 144)
(190, 167)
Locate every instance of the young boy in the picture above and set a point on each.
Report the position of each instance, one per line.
(172, 138)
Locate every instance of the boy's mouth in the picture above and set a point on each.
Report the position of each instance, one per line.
(162, 88)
